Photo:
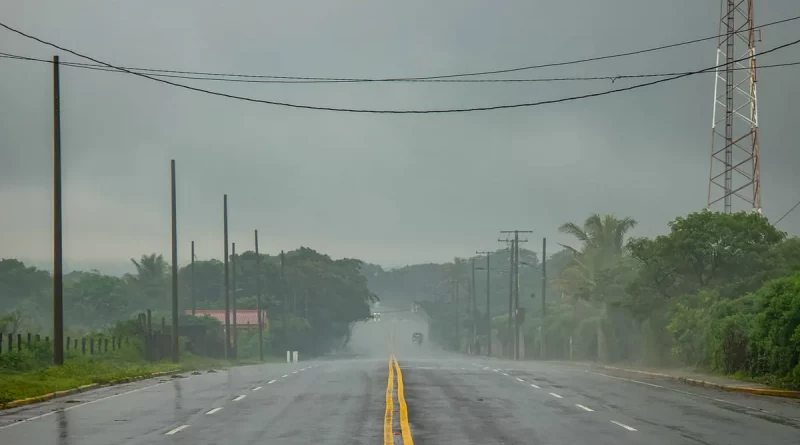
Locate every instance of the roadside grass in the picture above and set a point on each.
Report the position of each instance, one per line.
(26, 379)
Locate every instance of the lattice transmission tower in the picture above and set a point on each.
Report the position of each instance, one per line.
(734, 178)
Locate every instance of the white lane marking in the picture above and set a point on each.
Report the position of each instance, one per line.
(256, 388)
(520, 380)
(496, 370)
(175, 430)
(82, 404)
(294, 372)
(536, 386)
(485, 368)
(680, 391)
(239, 398)
(505, 374)
(214, 411)
(584, 407)
(463, 369)
(285, 375)
(556, 395)
(624, 426)
(271, 382)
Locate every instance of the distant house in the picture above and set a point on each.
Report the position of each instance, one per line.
(245, 318)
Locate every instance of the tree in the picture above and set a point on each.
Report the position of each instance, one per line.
(730, 253)
(150, 283)
(598, 270)
(95, 300)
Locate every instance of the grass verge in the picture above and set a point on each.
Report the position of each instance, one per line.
(79, 371)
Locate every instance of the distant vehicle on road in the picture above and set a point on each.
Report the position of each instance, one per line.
(417, 338)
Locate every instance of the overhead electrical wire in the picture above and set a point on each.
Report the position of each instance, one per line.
(379, 111)
(614, 78)
(786, 214)
(437, 77)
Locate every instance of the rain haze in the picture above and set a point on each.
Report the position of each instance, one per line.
(453, 221)
(392, 190)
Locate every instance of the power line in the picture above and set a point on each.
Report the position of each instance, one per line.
(378, 111)
(614, 78)
(786, 214)
(445, 76)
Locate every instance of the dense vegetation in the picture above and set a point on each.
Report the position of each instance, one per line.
(720, 292)
(311, 305)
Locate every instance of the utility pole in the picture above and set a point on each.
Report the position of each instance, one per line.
(544, 297)
(233, 301)
(226, 287)
(488, 309)
(515, 286)
(58, 252)
(474, 307)
(194, 303)
(175, 352)
(458, 320)
(258, 303)
(285, 303)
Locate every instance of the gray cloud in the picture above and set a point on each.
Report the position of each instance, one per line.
(389, 189)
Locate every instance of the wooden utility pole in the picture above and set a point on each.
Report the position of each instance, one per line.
(511, 341)
(285, 303)
(175, 352)
(58, 252)
(458, 319)
(544, 297)
(258, 303)
(226, 287)
(474, 293)
(515, 288)
(194, 303)
(488, 307)
(233, 302)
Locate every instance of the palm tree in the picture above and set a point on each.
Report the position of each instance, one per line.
(150, 280)
(603, 242)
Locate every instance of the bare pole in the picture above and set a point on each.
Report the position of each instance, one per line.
(544, 296)
(285, 302)
(488, 308)
(175, 352)
(194, 305)
(58, 252)
(233, 302)
(516, 296)
(226, 284)
(258, 302)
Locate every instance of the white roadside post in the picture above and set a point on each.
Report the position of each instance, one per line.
(296, 358)
(288, 356)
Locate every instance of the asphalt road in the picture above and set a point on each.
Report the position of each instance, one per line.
(449, 399)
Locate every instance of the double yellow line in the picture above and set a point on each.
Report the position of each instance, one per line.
(388, 418)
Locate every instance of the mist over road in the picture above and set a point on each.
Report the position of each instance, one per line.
(448, 399)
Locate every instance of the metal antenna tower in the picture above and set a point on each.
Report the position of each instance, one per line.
(734, 170)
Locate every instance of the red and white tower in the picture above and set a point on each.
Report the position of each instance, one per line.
(734, 181)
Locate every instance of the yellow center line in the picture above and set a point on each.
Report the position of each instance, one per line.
(401, 397)
(388, 438)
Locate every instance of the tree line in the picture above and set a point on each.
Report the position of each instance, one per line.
(717, 291)
(311, 300)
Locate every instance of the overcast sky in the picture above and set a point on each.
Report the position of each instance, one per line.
(388, 189)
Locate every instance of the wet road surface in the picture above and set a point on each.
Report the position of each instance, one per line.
(449, 400)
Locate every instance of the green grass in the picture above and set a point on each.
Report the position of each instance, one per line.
(79, 371)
